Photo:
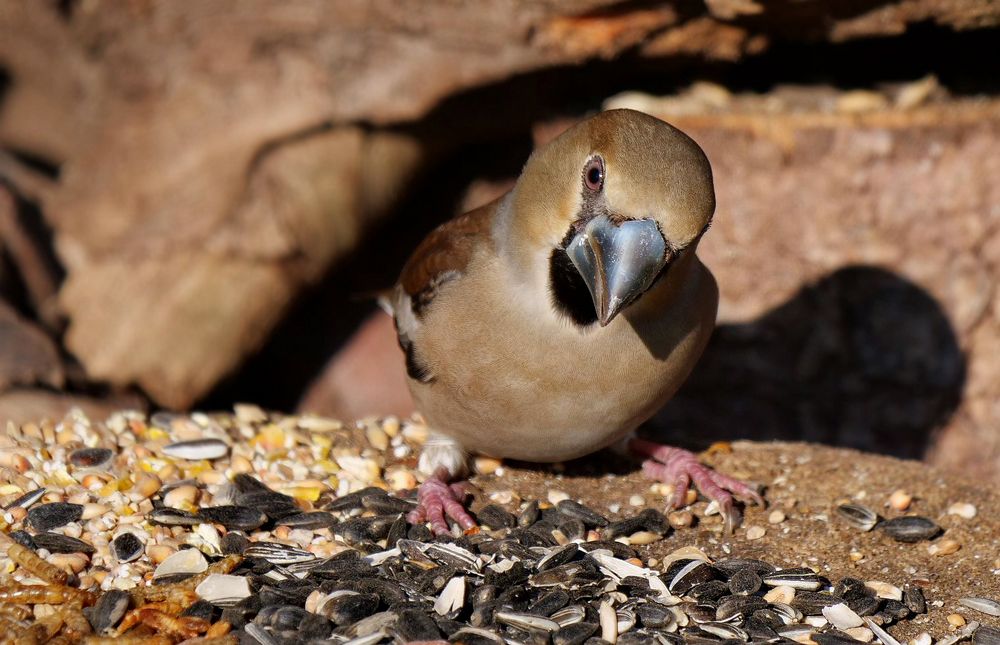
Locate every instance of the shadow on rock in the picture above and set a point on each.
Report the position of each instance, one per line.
(863, 359)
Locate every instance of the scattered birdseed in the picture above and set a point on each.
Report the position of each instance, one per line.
(222, 529)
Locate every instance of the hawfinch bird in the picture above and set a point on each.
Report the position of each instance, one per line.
(553, 321)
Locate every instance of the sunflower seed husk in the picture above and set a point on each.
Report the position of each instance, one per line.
(197, 449)
(984, 605)
(127, 547)
(858, 516)
(569, 615)
(109, 610)
(883, 636)
(184, 562)
(842, 617)
(173, 517)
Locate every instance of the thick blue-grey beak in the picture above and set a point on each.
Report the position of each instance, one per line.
(617, 261)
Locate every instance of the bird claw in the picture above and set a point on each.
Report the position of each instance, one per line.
(437, 501)
(681, 468)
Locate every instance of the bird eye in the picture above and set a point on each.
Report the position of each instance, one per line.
(593, 174)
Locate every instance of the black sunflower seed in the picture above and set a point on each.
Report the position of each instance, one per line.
(353, 500)
(654, 615)
(23, 538)
(386, 504)
(90, 457)
(234, 518)
(310, 520)
(731, 566)
(26, 500)
(732, 606)
(864, 605)
(314, 627)
(986, 635)
(549, 603)
(709, 591)
(745, 582)
(56, 543)
(496, 517)
(233, 543)
(574, 634)
(811, 603)
(578, 511)
(529, 515)
(350, 608)
(414, 625)
(913, 597)
(910, 528)
(799, 578)
(173, 517)
(833, 638)
(54, 515)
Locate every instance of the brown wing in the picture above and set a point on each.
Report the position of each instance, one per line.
(444, 254)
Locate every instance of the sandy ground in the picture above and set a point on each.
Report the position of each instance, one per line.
(807, 482)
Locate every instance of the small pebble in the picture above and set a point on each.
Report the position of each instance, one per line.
(900, 500)
(946, 546)
(777, 516)
(956, 620)
(556, 496)
(962, 509)
(755, 532)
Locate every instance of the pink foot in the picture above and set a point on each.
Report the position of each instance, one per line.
(681, 468)
(436, 499)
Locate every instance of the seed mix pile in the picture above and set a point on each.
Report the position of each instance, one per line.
(267, 529)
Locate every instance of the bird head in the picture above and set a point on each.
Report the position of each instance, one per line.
(607, 208)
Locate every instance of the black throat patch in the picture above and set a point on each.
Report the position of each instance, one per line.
(570, 295)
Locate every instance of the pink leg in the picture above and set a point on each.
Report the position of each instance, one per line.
(681, 468)
(436, 500)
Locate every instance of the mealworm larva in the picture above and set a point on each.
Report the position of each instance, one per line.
(15, 612)
(43, 594)
(144, 639)
(183, 627)
(30, 560)
(218, 629)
